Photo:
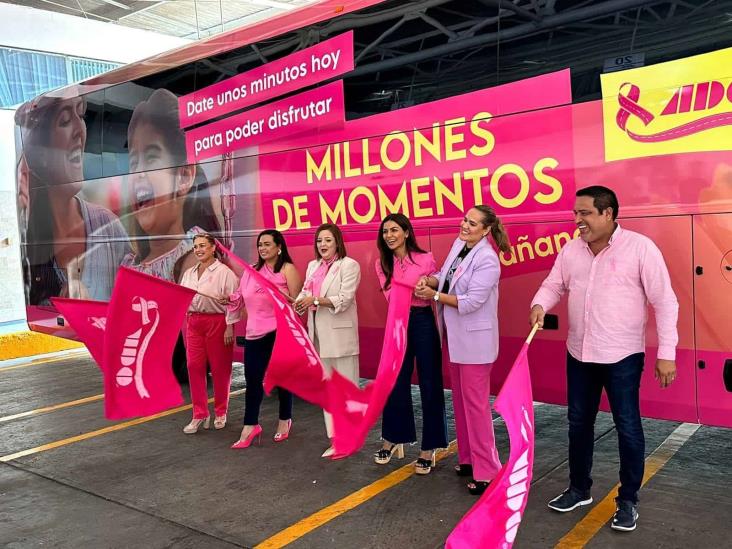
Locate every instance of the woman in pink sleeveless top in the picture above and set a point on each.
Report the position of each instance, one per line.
(275, 265)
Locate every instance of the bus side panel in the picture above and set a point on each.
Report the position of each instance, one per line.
(713, 290)
(673, 237)
(524, 272)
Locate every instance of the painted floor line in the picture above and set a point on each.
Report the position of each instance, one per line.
(586, 529)
(52, 408)
(103, 431)
(351, 501)
(319, 518)
(36, 362)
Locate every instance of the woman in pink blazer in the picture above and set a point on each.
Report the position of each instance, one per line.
(467, 297)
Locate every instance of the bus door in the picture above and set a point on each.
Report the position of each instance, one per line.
(713, 317)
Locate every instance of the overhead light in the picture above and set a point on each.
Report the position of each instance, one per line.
(118, 4)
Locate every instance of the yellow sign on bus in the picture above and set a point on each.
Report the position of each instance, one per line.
(675, 107)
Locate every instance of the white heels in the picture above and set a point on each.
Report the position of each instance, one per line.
(195, 424)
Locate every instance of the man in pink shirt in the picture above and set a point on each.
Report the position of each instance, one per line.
(610, 274)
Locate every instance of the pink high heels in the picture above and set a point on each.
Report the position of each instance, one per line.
(245, 443)
(279, 437)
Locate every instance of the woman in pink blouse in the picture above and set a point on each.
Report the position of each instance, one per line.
(275, 265)
(209, 333)
(401, 258)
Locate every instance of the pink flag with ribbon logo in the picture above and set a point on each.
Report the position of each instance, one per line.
(144, 318)
(494, 520)
(296, 366)
(88, 319)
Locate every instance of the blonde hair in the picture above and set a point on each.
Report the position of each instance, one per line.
(498, 231)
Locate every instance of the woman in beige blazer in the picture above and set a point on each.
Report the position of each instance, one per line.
(329, 298)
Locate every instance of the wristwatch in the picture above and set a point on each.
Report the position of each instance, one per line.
(316, 302)
(436, 297)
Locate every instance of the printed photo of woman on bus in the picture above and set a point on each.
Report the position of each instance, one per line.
(74, 246)
(170, 200)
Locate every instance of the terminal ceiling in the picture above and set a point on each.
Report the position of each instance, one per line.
(412, 52)
(183, 18)
(421, 50)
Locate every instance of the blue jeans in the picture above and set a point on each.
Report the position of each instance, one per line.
(257, 353)
(423, 347)
(621, 381)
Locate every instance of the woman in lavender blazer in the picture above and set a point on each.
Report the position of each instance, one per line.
(467, 296)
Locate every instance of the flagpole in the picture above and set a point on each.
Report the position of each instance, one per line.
(532, 334)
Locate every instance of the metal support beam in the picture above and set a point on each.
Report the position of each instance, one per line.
(381, 38)
(439, 26)
(262, 58)
(510, 6)
(597, 10)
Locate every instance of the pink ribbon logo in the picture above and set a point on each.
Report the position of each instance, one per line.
(135, 347)
(628, 97)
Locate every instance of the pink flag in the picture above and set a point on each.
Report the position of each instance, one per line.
(88, 319)
(144, 318)
(349, 436)
(494, 520)
(296, 366)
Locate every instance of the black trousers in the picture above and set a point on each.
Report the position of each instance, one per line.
(621, 381)
(257, 353)
(423, 347)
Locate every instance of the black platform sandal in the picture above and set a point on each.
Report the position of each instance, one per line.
(383, 456)
(477, 487)
(464, 470)
(424, 466)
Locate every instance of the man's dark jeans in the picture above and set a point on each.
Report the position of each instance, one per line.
(621, 380)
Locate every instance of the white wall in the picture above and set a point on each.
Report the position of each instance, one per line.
(28, 28)
(32, 29)
(12, 302)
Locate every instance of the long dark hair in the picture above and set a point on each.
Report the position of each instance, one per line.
(279, 240)
(36, 121)
(386, 256)
(160, 111)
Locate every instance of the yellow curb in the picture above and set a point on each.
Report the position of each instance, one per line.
(21, 344)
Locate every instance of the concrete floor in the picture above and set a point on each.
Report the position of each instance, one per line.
(149, 485)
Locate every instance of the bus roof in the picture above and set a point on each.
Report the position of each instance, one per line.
(200, 49)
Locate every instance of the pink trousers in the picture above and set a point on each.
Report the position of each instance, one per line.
(205, 342)
(476, 441)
